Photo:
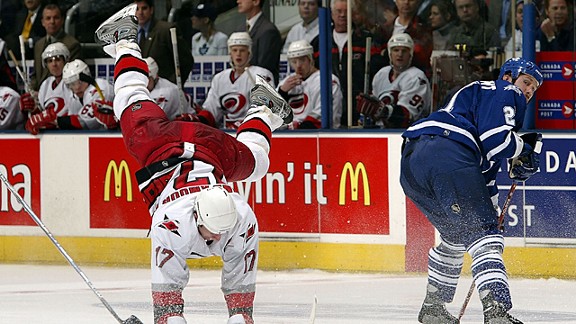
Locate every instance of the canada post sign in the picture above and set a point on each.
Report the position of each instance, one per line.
(544, 206)
(114, 198)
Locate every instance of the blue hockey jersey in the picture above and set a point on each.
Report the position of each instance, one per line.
(483, 115)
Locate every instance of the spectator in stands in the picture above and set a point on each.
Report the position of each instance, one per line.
(94, 96)
(227, 101)
(10, 115)
(155, 41)
(165, 93)
(308, 28)
(208, 40)
(340, 60)
(402, 93)
(516, 42)
(9, 10)
(28, 23)
(442, 21)
(557, 30)
(473, 32)
(53, 93)
(266, 39)
(53, 22)
(408, 22)
(499, 17)
(302, 89)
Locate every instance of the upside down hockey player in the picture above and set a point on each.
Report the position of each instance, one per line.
(448, 168)
(186, 166)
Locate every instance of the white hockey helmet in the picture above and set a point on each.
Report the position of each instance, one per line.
(55, 50)
(215, 209)
(240, 38)
(401, 39)
(72, 70)
(152, 67)
(300, 48)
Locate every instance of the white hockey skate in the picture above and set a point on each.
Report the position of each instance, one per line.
(262, 94)
(121, 25)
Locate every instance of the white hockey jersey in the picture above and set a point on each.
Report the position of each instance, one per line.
(10, 115)
(58, 95)
(216, 45)
(86, 115)
(411, 90)
(229, 95)
(306, 104)
(166, 95)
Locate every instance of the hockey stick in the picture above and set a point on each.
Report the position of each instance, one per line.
(19, 70)
(132, 319)
(500, 225)
(363, 117)
(23, 54)
(177, 69)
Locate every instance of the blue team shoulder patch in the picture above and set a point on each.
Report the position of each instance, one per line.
(515, 88)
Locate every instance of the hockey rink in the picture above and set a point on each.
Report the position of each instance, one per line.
(57, 294)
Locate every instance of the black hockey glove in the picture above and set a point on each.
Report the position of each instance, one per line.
(527, 163)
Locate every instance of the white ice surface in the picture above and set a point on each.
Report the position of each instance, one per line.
(57, 294)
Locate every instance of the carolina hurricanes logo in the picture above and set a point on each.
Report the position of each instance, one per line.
(93, 92)
(249, 233)
(160, 100)
(6, 97)
(298, 103)
(233, 102)
(56, 102)
(170, 225)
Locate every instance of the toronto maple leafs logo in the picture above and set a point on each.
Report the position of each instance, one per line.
(204, 49)
(170, 225)
(249, 233)
(515, 88)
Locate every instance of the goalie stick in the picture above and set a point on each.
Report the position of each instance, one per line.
(132, 319)
(500, 225)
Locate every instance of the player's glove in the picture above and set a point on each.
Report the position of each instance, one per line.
(42, 120)
(28, 103)
(372, 107)
(527, 163)
(367, 104)
(104, 114)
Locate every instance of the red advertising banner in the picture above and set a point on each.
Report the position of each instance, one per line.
(324, 185)
(314, 185)
(23, 171)
(115, 201)
(556, 96)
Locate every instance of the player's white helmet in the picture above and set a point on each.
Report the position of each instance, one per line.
(401, 39)
(152, 67)
(240, 38)
(72, 71)
(215, 209)
(55, 50)
(300, 48)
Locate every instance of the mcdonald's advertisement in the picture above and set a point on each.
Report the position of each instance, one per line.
(115, 201)
(327, 185)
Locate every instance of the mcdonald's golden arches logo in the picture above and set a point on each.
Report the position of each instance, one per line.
(117, 171)
(353, 173)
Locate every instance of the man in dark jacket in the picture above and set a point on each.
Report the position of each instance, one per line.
(155, 41)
